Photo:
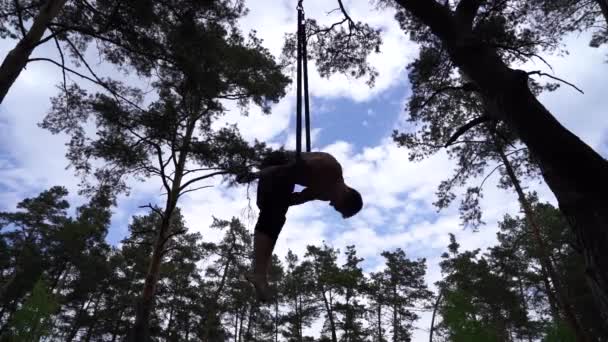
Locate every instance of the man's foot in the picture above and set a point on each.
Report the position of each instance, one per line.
(261, 286)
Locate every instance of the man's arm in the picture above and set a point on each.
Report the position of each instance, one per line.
(304, 196)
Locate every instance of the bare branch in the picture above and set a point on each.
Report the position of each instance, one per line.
(540, 73)
(191, 190)
(65, 87)
(188, 171)
(466, 127)
(521, 53)
(333, 10)
(178, 232)
(488, 176)
(194, 180)
(49, 37)
(464, 87)
(163, 175)
(90, 79)
(345, 13)
(20, 17)
(154, 209)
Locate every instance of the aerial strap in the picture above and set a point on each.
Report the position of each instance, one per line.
(302, 72)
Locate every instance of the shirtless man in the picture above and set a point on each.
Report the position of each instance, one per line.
(320, 174)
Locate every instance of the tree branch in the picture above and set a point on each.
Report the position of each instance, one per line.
(540, 73)
(194, 180)
(464, 87)
(466, 127)
(154, 209)
(343, 10)
(18, 9)
(161, 164)
(191, 190)
(178, 232)
(433, 14)
(520, 53)
(65, 87)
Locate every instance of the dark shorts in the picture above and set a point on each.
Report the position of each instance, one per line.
(274, 192)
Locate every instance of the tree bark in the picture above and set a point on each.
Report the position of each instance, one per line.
(547, 269)
(573, 171)
(17, 58)
(604, 7)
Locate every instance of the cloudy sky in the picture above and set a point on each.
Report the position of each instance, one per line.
(350, 120)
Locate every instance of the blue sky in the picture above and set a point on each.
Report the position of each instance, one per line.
(349, 119)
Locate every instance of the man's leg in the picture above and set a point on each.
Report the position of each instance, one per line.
(273, 194)
(263, 245)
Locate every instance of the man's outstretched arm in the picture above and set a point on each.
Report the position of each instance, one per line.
(304, 196)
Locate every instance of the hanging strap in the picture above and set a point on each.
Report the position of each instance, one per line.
(302, 72)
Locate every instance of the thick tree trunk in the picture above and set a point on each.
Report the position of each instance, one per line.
(573, 171)
(17, 58)
(604, 7)
(547, 269)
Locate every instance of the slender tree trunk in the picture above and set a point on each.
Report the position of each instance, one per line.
(242, 319)
(89, 333)
(524, 302)
(17, 58)
(140, 331)
(170, 322)
(573, 171)
(330, 315)
(76, 322)
(435, 308)
(547, 269)
(379, 323)
(116, 326)
(276, 320)
(249, 323)
(236, 327)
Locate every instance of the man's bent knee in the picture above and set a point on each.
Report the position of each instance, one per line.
(270, 225)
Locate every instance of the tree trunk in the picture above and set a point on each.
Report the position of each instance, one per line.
(547, 269)
(395, 319)
(524, 302)
(276, 320)
(573, 171)
(144, 306)
(379, 322)
(249, 323)
(604, 7)
(140, 331)
(89, 333)
(330, 316)
(17, 58)
(76, 324)
(435, 308)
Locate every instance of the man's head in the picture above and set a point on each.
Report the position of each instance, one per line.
(348, 202)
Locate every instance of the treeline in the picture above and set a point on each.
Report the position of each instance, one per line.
(61, 281)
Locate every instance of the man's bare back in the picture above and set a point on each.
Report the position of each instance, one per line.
(321, 175)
